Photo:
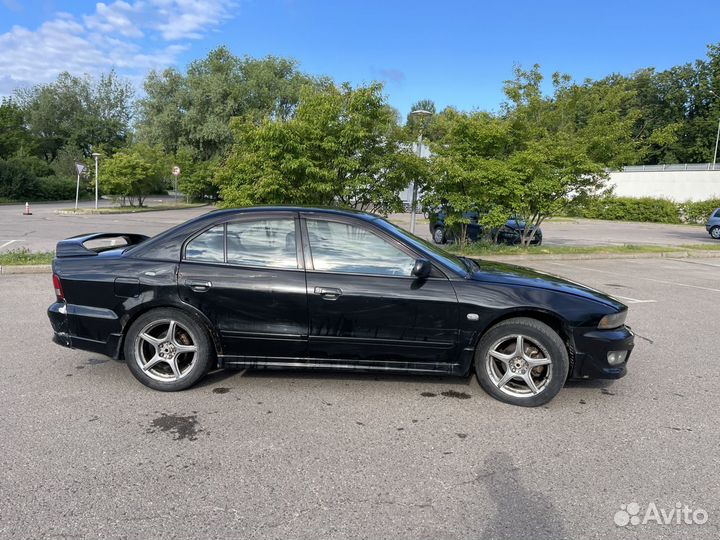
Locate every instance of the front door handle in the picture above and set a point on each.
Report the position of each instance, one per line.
(328, 293)
(198, 286)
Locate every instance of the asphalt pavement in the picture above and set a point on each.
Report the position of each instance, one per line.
(42, 230)
(88, 452)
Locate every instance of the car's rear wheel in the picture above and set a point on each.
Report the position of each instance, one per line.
(439, 235)
(166, 349)
(522, 361)
(715, 232)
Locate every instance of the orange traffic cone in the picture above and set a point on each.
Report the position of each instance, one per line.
(27, 211)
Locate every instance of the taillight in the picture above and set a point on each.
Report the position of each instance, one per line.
(58, 289)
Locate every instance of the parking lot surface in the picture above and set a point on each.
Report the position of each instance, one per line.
(42, 230)
(88, 452)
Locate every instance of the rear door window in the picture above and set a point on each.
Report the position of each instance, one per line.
(267, 243)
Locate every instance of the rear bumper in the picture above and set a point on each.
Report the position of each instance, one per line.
(65, 319)
(591, 350)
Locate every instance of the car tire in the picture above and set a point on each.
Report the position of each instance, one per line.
(163, 362)
(439, 236)
(505, 375)
(715, 232)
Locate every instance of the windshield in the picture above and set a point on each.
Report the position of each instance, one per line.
(458, 264)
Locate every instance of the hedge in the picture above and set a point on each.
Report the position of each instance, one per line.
(646, 209)
(30, 179)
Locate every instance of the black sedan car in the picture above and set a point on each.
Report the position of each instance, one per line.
(310, 288)
(510, 233)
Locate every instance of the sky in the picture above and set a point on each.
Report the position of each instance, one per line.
(454, 52)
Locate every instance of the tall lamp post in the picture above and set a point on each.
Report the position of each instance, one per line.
(96, 156)
(418, 113)
(717, 137)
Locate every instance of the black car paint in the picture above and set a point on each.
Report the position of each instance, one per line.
(277, 318)
(510, 233)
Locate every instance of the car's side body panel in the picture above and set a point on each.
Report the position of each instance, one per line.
(277, 318)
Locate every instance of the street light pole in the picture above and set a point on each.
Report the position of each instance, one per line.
(421, 113)
(413, 204)
(717, 140)
(717, 137)
(96, 156)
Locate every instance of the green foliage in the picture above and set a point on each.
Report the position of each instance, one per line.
(627, 209)
(78, 113)
(339, 148)
(698, 211)
(53, 188)
(196, 180)
(24, 256)
(14, 136)
(528, 160)
(17, 182)
(132, 174)
(193, 111)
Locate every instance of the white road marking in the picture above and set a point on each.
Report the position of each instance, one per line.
(701, 263)
(8, 243)
(641, 277)
(632, 300)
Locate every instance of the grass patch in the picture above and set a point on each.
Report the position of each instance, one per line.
(480, 249)
(702, 247)
(131, 209)
(20, 257)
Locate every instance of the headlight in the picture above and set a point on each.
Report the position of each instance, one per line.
(614, 320)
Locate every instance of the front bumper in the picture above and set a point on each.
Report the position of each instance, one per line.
(592, 347)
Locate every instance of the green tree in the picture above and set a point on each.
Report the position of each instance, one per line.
(193, 110)
(532, 157)
(341, 147)
(78, 112)
(134, 173)
(14, 136)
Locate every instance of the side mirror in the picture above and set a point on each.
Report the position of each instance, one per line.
(422, 268)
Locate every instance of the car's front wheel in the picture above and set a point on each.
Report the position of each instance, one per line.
(166, 349)
(522, 361)
(715, 232)
(439, 235)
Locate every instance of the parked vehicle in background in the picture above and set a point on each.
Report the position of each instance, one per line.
(314, 288)
(713, 224)
(510, 233)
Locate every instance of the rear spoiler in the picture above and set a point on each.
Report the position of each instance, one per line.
(75, 245)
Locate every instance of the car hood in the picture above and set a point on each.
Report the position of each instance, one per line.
(519, 275)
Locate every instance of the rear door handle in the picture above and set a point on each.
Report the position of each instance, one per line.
(198, 286)
(328, 293)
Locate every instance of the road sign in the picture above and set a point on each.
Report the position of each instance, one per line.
(176, 170)
(79, 167)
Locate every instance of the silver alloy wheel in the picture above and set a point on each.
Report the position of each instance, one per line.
(438, 234)
(518, 366)
(715, 232)
(165, 350)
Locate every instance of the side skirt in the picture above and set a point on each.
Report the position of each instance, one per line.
(334, 365)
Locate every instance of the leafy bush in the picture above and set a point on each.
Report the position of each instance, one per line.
(698, 212)
(643, 209)
(17, 182)
(53, 188)
(628, 209)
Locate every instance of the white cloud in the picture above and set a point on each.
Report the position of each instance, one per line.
(116, 35)
(115, 18)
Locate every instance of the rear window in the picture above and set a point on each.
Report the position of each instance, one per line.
(717, 213)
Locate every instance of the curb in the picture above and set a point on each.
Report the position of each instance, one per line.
(687, 254)
(26, 269)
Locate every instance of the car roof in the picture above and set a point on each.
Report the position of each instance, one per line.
(277, 208)
(167, 243)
